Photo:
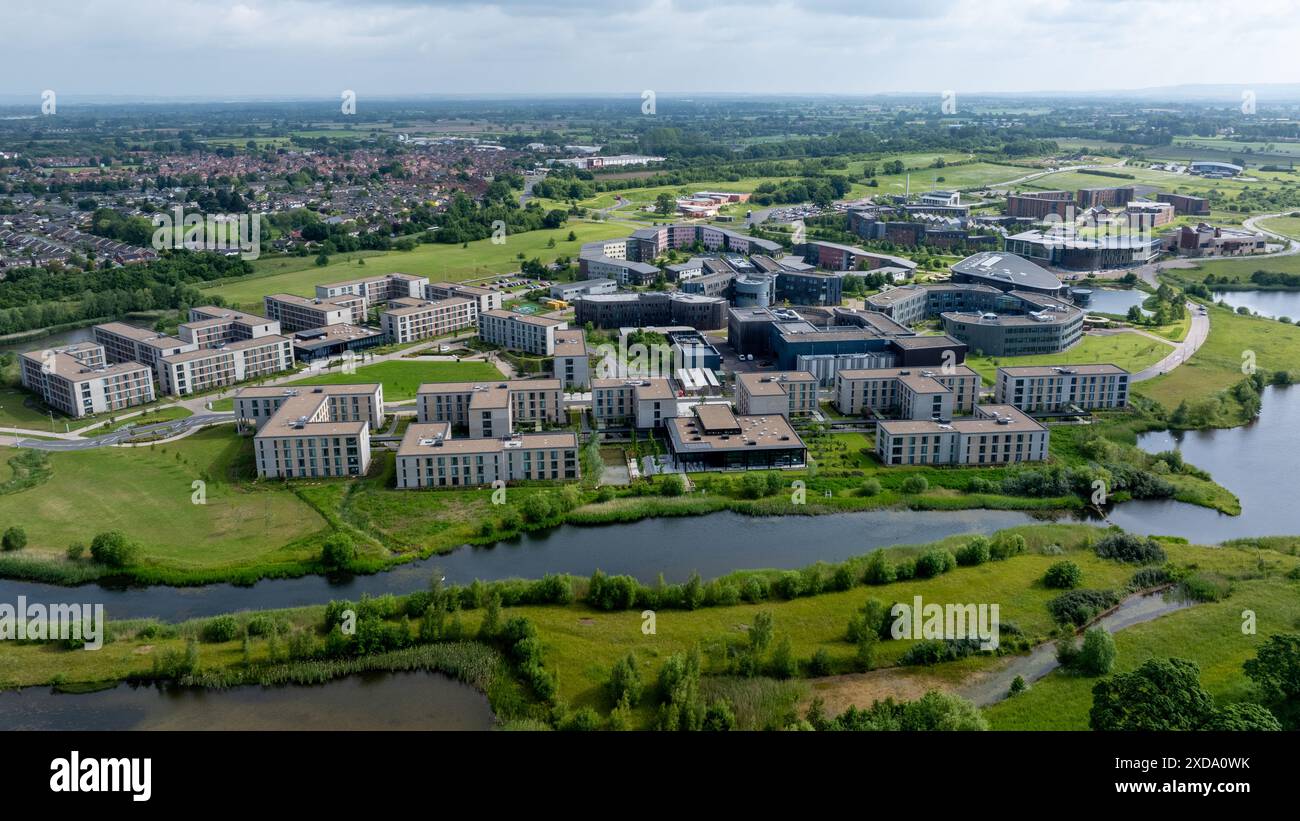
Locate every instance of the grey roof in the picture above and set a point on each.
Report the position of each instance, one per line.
(999, 266)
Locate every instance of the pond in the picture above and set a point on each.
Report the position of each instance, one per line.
(1266, 303)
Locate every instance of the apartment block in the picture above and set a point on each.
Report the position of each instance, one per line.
(210, 326)
(572, 362)
(783, 392)
(995, 435)
(297, 313)
(487, 299)
(641, 403)
(314, 432)
(1049, 389)
(409, 320)
(207, 368)
(520, 332)
(430, 457)
(907, 393)
(127, 343)
(376, 290)
(491, 409)
(77, 380)
(715, 438)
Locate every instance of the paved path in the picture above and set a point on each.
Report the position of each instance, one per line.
(1196, 336)
(151, 432)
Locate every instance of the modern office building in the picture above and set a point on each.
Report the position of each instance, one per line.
(907, 393)
(691, 349)
(1184, 204)
(808, 288)
(1063, 388)
(572, 361)
(298, 313)
(782, 392)
(333, 341)
(995, 435)
(1040, 204)
(487, 409)
(78, 381)
(1210, 168)
(520, 332)
(569, 291)
(715, 438)
(311, 432)
(1022, 324)
(1215, 240)
(430, 457)
(229, 363)
(1066, 249)
(640, 403)
(487, 298)
(836, 257)
(410, 320)
(1006, 272)
(646, 308)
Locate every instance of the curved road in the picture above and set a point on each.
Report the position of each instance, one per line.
(1196, 336)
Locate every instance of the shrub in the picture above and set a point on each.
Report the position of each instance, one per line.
(1018, 686)
(1063, 576)
(871, 487)
(15, 538)
(879, 570)
(1078, 607)
(934, 562)
(76, 550)
(114, 549)
(1125, 547)
(974, 552)
(338, 552)
(219, 629)
(1097, 655)
(1007, 545)
(928, 651)
(915, 484)
(783, 664)
(672, 485)
(1150, 577)
(820, 663)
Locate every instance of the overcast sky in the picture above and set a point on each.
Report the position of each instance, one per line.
(397, 47)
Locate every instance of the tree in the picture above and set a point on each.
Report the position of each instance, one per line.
(1097, 656)
(15, 538)
(1162, 694)
(665, 204)
(338, 551)
(1276, 671)
(672, 485)
(1063, 576)
(760, 632)
(114, 549)
(1242, 717)
(625, 684)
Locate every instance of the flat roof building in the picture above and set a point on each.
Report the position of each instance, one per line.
(1062, 388)
(410, 320)
(334, 340)
(641, 403)
(907, 393)
(715, 438)
(1006, 272)
(430, 457)
(76, 380)
(520, 332)
(781, 392)
(488, 409)
(995, 435)
(376, 290)
(312, 432)
(298, 313)
(487, 298)
(572, 361)
(227, 364)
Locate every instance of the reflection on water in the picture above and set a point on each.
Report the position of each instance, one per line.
(1266, 303)
(372, 701)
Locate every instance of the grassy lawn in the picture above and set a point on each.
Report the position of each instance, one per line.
(402, 378)
(146, 493)
(1130, 351)
(1235, 270)
(19, 409)
(300, 275)
(148, 418)
(1286, 226)
(1217, 365)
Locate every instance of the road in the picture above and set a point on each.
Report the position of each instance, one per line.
(157, 430)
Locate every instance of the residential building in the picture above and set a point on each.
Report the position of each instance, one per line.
(297, 313)
(640, 403)
(1063, 388)
(208, 368)
(995, 435)
(430, 457)
(210, 326)
(488, 409)
(1185, 204)
(907, 393)
(410, 320)
(127, 343)
(520, 332)
(572, 362)
(487, 298)
(1040, 204)
(781, 392)
(333, 341)
(647, 308)
(78, 381)
(312, 432)
(376, 290)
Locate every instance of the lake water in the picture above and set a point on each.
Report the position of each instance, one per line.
(1267, 303)
(371, 701)
(710, 545)
(1254, 461)
(1112, 301)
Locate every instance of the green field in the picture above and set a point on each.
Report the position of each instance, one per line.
(402, 378)
(300, 275)
(1217, 366)
(1130, 351)
(146, 492)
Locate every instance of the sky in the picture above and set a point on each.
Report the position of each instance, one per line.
(382, 48)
